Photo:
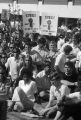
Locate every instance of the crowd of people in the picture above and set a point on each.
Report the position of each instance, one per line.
(37, 68)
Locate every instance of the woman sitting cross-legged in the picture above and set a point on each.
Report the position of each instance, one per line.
(24, 95)
(57, 91)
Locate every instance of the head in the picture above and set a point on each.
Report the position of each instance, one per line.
(27, 45)
(11, 47)
(16, 52)
(4, 58)
(56, 79)
(26, 75)
(28, 61)
(41, 42)
(52, 46)
(69, 68)
(27, 48)
(22, 59)
(47, 67)
(67, 49)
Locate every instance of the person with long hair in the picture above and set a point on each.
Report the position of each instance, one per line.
(23, 96)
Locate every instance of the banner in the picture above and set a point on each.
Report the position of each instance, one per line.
(49, 24)
(5, 15)
(30, 22)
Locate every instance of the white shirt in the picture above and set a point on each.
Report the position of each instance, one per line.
(64, 45)
(13, 66)
(41, 74)
(29, 89)
(60, 43)
(60, 61)
(78, 62)
(36, 57)
(43, 52)
(55, 93)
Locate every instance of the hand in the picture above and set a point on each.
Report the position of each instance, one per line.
(42, 112)
(76, 83)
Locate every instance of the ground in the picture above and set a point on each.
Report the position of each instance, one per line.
(19, 116)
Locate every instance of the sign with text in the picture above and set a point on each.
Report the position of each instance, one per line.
(30, 22)
(49, 24)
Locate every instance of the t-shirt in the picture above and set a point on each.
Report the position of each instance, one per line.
(13, 66)
(71, 78)
(78, 63)
(42, 52)
(29, 89)
(60, 61)
(58, 93)
(60, 43)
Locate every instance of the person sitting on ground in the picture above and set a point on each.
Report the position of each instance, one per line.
(57, 91)
(42, 53)
(28, 63)
(24, 95)
(70, 76)
(70, 106)
(43, 81)
(28, 50)
(52, 53)
(61, 59)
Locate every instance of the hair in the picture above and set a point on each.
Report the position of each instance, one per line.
(42, 40)
(26, 72)
(67, 49)
(17, 50)
(77, 37)
(70, 64)
(30, 67)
